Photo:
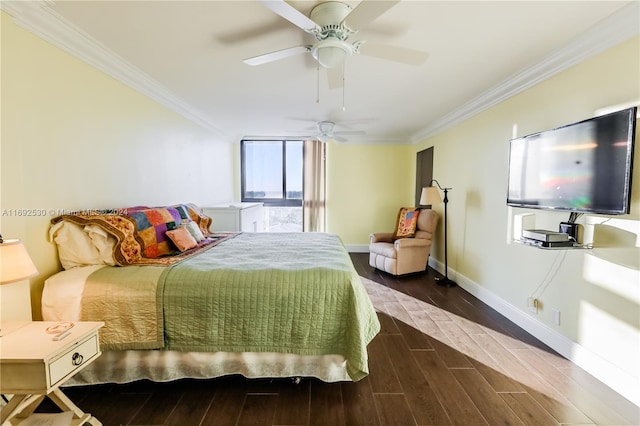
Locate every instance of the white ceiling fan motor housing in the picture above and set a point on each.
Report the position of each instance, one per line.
(326, 127)
(331, 49)
(330, 13)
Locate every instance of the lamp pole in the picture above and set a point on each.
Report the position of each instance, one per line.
(445, 281)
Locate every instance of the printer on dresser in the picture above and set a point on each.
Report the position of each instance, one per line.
(236, 217)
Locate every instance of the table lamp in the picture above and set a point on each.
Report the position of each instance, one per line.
(15, 266)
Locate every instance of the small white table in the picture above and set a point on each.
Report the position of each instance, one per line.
(33, 366)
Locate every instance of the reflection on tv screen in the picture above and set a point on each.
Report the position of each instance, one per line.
(584, 166)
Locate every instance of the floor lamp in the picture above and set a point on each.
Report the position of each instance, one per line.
(431, 196)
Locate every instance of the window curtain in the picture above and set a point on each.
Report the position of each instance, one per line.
(314, 186)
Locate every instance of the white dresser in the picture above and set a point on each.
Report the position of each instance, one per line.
(236, 217)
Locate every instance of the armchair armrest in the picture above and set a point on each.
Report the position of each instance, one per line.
(381, 237)
(411, 242)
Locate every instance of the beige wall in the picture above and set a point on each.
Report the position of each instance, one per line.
(366, 185)
(73, 138)
(596, 291)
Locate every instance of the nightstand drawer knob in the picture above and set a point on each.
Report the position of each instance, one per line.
(76, 359)
(76, 354)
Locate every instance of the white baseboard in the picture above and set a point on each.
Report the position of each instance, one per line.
(609, 374)
(357, 248)
(600, 368)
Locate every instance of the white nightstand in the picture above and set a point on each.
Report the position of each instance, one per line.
(33, 366)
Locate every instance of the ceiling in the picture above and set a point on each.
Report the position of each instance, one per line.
(189, 56)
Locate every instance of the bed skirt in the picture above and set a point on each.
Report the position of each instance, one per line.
(164, 366)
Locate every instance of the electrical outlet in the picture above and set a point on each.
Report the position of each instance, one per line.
(556, 316)
(532, 303)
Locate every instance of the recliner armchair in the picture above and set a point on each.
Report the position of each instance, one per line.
(404, 255)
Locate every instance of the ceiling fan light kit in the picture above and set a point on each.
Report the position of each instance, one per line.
(326, 127)
(327, 22)
(326, 132)
(331, 52)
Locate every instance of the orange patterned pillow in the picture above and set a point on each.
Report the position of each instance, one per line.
(182, 238)
(406, 223)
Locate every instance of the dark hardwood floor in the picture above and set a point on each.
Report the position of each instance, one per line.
(443, 357)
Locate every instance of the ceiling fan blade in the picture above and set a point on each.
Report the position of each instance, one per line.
(385, 29)
(366, 12)
(394, 53)
(291, 14)
(338, 138)
(350, 132)
(335, 77)
(277, 55)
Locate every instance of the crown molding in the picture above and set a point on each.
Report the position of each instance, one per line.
(616, 28)
(351, 140)
(38, 18)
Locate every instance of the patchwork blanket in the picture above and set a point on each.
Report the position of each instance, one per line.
(140, 232)
(258, 292)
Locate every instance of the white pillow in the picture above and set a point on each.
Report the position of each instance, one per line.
(103, 241)
(75, 247)
(195, 231)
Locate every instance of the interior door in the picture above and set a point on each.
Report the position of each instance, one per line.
(424, 171)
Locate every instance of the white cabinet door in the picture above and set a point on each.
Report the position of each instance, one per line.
(252, 219)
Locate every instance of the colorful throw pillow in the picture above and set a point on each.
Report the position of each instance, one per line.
(195, 214)
(151, 226)
(406, 223)
(195, 232)
(182, 238)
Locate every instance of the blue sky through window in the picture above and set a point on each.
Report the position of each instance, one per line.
(264, 171)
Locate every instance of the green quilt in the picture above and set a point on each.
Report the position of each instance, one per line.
(270, 292)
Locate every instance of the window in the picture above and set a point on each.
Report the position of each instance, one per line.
(272, 174)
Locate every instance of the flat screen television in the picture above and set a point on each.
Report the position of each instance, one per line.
(584, 167)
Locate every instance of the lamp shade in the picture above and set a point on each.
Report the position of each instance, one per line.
(15, 263)
(331, 52)
(430, 196)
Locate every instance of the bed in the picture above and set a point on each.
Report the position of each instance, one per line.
(256, 304)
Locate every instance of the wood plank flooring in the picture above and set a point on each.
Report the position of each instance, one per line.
(442, 358)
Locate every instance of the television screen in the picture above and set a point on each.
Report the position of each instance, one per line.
(582, 167)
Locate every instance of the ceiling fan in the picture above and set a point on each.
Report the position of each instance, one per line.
(326, 132)
(332, 23)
